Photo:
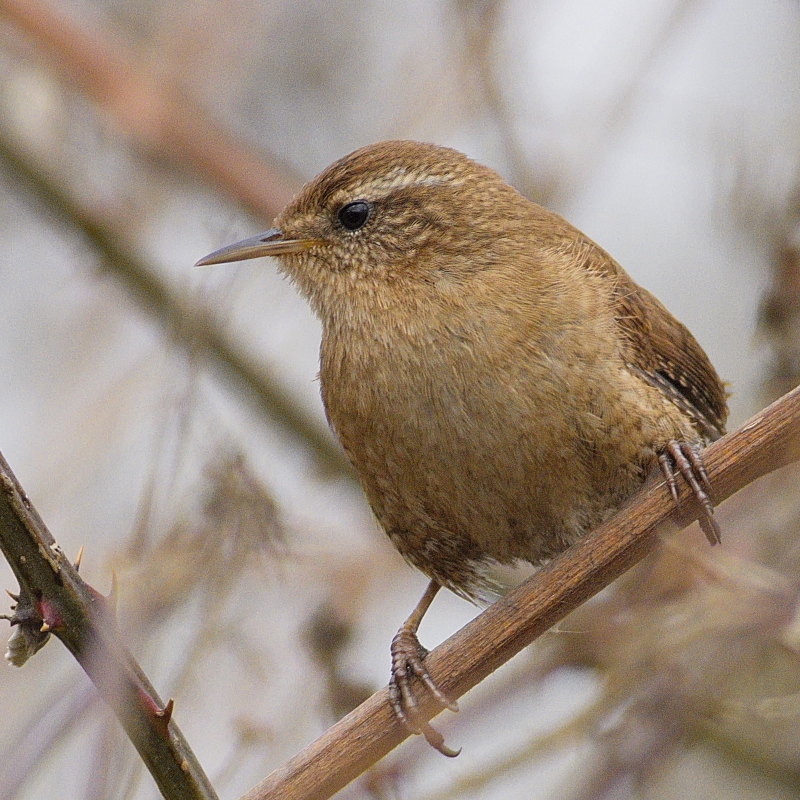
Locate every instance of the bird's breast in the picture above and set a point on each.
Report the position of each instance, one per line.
(476, 444)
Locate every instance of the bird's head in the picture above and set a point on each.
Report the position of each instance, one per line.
(397, 213)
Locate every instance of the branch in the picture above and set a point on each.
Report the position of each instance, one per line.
(162, 121)
(54, 599)
(769, 440)
(189, 322)
(151, 113)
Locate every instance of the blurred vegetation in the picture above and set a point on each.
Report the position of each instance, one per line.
(167, 418)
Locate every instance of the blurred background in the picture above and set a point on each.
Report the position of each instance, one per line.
(168, 419)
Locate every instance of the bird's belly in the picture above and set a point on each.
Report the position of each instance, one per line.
(458, 483)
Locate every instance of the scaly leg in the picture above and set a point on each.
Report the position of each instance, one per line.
(407, 661)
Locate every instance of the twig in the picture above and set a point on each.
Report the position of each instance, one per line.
(162, 121)
(54, 599)
(769, 440)
(191, 324)
(153, 114)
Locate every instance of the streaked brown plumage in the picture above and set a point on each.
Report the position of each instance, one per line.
(498, 381)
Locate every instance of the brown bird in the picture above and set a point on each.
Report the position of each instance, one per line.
(499, 382)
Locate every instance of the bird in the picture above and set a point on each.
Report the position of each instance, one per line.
(499, 383)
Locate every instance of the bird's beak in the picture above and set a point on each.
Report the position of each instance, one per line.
(269, 243)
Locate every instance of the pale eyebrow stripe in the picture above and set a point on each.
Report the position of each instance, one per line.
(400, 177)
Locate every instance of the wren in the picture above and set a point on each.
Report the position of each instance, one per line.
(498, 381)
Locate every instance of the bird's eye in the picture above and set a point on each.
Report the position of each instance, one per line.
(354, 215)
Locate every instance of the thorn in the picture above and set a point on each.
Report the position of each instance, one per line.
(14, 597)
(166, 713)
(50, 616)
(78, 559)
(159, 717)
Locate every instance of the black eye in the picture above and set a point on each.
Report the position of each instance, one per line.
(354, 215)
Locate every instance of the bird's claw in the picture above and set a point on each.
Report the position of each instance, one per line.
(408, 662)
(685, 458)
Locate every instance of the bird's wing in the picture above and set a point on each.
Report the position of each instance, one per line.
(663, 351)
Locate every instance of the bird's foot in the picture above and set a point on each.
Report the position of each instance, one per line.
(408, 662)
(685, 458)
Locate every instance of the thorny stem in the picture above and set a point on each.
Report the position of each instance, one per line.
(54, 599)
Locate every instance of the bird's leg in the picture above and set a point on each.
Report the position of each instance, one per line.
(685, 458)
(407, 661)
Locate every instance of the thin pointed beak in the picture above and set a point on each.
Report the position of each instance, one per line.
(269, 243)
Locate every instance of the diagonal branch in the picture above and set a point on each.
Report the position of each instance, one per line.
(769, 440)
(160, 120)
(54, 599)
(151, 113)
(189, 322)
